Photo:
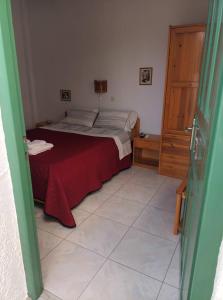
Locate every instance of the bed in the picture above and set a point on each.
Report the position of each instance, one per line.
(79, 163)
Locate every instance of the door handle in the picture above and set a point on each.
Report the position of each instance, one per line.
(188, 129)
(193, 129)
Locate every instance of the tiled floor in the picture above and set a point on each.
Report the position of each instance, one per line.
(122, 247)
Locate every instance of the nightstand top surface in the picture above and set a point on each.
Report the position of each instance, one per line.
(152, 137)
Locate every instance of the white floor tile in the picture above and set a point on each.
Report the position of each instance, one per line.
(48, 296)
(98, 234)
(165, 198)
(173, 274)
(120, 210)
(47, 242)
(93, 201)
(122, 177)
(140, 172)
(131, 191)
(149, 180)
(145, 253)
(169, 293)
(68, 269)
(80, 215)
(156, 221)
(112, 186)
(116, 282)
(38, 211)
(52, 226)
(174, 182)
(128, 171)
(44, 296)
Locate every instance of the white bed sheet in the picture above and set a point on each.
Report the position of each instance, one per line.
(121, 137)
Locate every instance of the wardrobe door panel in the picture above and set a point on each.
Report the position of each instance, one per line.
(180, 109)
(187, 53)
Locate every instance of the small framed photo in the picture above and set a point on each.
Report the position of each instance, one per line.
(65, 95)
(145, 76)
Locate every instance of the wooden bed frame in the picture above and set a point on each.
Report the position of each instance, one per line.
(136, 129)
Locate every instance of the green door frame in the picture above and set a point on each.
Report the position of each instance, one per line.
(202, 230)
(13, 124)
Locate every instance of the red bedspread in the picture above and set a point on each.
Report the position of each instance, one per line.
(77, 165)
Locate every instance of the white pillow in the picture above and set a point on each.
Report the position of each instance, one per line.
(117, 119)
(69, 112)
(112, 119)
(131, 120)
(81, 117)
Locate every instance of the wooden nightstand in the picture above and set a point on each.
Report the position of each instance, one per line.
(146, 151)
(43, 123)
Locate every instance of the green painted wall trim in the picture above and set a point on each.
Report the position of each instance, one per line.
(13, 123)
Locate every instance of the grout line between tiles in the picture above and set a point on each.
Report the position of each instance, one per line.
(128, 229)
(109, 219)
(154, 206)
(131, 226)
(104, 261)
(167, 272)
(58, 298)
(91, 212)
(135, 270)
(164, 210)
(164, 283)
(65, 238)
(52, 250)
(155, 235)
(146, 206)
(92, 279)
(135, 201)
(171, 261)
(90, 250)
(62, 239)
(157, 297)
(170, 285)
(54, 234)
(158, 189)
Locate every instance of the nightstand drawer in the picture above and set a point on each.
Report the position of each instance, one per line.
(175, 155)
(146, 151)
(148, 144)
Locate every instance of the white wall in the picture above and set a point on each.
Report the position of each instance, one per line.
(218, 282)
(74, 42)
(12, 276)
(21, 29)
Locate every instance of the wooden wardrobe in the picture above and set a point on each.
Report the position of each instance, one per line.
(182, 82)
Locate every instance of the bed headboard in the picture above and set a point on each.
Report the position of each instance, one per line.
(136, 129)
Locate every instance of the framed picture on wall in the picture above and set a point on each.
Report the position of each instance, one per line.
(65, 95)
(145, 76)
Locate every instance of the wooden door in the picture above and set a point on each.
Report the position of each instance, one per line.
(203, 221)
(186, 46)
(183, 73)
